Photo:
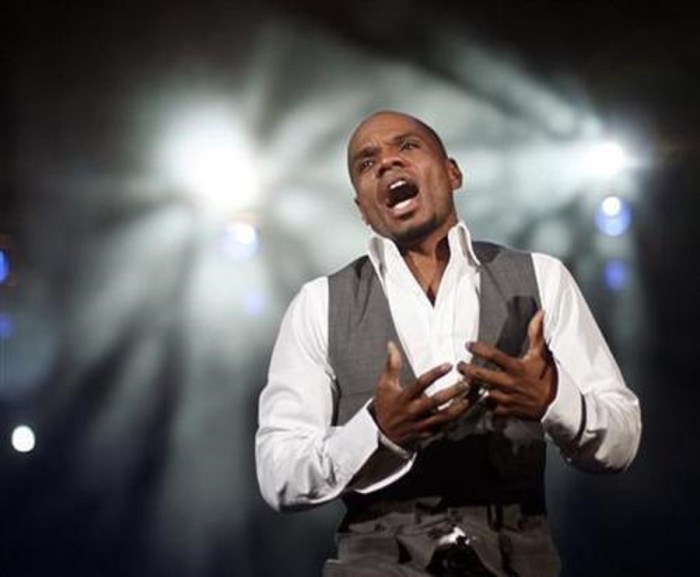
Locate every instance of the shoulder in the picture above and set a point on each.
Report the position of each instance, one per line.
(353, 269)
(548, 267)
(317, 289)
(305, 320)
(311, 301)
(312, 290)
(544, 264)
(558, 286)
(488, 252)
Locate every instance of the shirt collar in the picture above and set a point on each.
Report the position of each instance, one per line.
(381, 249)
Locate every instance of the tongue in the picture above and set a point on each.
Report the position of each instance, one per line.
(401, 193)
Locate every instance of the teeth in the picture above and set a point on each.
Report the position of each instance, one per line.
(397, 184)
(403, 204)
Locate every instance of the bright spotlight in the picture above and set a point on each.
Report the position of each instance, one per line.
(611, 206)
(240, 240)
(23, 439)
(607, 159)
(209, 156)
(613, 216)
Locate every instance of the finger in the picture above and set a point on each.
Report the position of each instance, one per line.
(392, 368)
(492, 354)
(492, 378)
(509, 410)
(444, 416)
(456, 408)
(500, 400)
(460, 388)
(466, 369)
(463, 369)
(505, 405)
(548, 364)
(427, 379)
(431, 405)
(535, 332)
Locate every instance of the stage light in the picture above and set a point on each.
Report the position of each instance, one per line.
(5, 326)
(240, 240)
(607, 159)
(23, 439)
(4, 266)
(208, 155)
(616, 274)
(613, 216)
(254, 303)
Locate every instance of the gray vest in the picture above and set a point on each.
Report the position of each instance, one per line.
(478, 469)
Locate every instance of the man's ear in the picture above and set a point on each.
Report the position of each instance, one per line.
(358, 204)
(454, 173)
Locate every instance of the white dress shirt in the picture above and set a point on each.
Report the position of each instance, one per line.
(302, 460)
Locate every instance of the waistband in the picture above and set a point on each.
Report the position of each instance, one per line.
(496, 515)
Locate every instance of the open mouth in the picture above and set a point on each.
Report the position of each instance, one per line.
(400, 192)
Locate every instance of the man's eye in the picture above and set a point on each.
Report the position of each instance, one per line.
(407, 145)
(366, 164)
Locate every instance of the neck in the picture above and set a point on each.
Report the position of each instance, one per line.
(428, 261)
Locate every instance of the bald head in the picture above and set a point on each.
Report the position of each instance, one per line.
(403, 179)
(391, 115)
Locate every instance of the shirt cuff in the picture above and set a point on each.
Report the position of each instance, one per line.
(399, 451)
(387, 463)
(564, 419)
(356, 442)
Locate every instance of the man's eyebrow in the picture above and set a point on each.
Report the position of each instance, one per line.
(403, 136)
(364, 152)
(371, 150)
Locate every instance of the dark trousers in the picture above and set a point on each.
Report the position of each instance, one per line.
(498, 543)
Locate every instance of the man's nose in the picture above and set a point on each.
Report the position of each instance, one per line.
(387, 162)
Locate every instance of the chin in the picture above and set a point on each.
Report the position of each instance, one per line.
(415, 233)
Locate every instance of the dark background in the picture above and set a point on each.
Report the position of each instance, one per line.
(143, 392)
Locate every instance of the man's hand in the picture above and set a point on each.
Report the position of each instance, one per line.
(524, 387)
(407, 415)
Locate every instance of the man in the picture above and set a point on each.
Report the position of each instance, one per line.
(441, 473)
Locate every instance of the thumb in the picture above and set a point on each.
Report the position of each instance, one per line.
(535, 331)
(393, 362)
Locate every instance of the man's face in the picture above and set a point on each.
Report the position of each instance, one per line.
(403, 180)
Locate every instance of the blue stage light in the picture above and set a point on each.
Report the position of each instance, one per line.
(616, 274)
(613, 216)
(4, 266)
(5, 326)
(240, 240)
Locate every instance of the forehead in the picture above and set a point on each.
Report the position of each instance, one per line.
(385, 126)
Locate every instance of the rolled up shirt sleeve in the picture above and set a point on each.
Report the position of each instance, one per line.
(595, 418)
(303, 460)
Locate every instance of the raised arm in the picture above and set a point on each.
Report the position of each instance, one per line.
(568, 379)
